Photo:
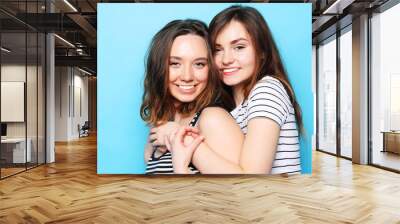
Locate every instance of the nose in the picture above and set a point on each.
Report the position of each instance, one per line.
(227, 58)
(187, 74)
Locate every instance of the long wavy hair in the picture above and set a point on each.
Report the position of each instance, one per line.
(157, 102)
(268, 60)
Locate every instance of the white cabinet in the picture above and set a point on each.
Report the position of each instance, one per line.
(18, 149)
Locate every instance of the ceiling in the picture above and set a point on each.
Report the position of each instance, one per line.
(76, 22)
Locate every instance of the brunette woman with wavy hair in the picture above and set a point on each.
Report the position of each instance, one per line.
(182, 87)
(158, 103)
(266, 108)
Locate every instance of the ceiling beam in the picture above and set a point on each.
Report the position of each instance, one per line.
(337, 7)
(85, 61)
(86, 26)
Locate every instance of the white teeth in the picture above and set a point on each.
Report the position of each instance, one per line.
(230, 69)
(186, 87)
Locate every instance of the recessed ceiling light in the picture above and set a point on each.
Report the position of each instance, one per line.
(337, 7)
(5, 50)
(70, 5)
(65, 41)
(84, 71)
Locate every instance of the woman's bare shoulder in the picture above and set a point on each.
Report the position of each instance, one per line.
(214, 117)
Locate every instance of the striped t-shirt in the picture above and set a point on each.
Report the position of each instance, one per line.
(163, 163)
(269, 99)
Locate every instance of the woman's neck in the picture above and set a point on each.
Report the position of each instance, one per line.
(238, 94)
(183, 120)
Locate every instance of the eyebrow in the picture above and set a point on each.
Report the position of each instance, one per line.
(175, 57)
(235, 41)
(179, 58)
(238, 40)
(201, 59)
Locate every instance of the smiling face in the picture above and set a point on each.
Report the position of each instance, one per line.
(235, 54)
(188, 68)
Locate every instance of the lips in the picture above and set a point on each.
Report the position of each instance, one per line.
(229, 71)
(186, 89)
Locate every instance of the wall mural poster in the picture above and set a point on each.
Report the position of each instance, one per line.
(195, 88)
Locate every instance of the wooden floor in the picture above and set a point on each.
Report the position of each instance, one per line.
(5, 172)
(387, 159)
(70, 191)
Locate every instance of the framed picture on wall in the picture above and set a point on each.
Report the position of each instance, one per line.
(182, 66)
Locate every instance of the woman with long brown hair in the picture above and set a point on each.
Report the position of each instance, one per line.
(266, 108)
(182, 85)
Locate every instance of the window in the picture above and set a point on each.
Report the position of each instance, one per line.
(346, 93)
(385, 89)
(22, 78)
(327, 96)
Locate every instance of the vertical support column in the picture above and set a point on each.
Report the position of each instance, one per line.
(338, 98)
(317, 97)
(360, 90)
(0, 100)
(92, 99)
(50, 92)
(314, 91)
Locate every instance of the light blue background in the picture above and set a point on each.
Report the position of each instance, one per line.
(124, 34)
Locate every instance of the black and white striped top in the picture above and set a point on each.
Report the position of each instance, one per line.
(163, 164)
(269, 99)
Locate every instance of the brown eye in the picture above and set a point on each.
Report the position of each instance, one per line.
(239, 47)
(199, 65)
(217, 51)
(174, 64)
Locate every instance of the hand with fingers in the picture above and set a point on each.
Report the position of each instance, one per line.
(182, 144)
(157, 134)
(149, 150)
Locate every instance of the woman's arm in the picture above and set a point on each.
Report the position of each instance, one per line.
(223, 141)
(218, 130)
(157, 134)
(256, 154)
(266, 111)
(226, 151)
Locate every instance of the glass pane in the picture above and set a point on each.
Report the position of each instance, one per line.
(32, 84)
(13, 87)
(327, 97)
(41, 98)
(346, 94)
(32, 95)
(386, 89)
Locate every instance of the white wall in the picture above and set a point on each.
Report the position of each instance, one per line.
(16, 72)
(12, 73)
(62, 81)
(79, 117)
(71, 87)
(33, 126)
